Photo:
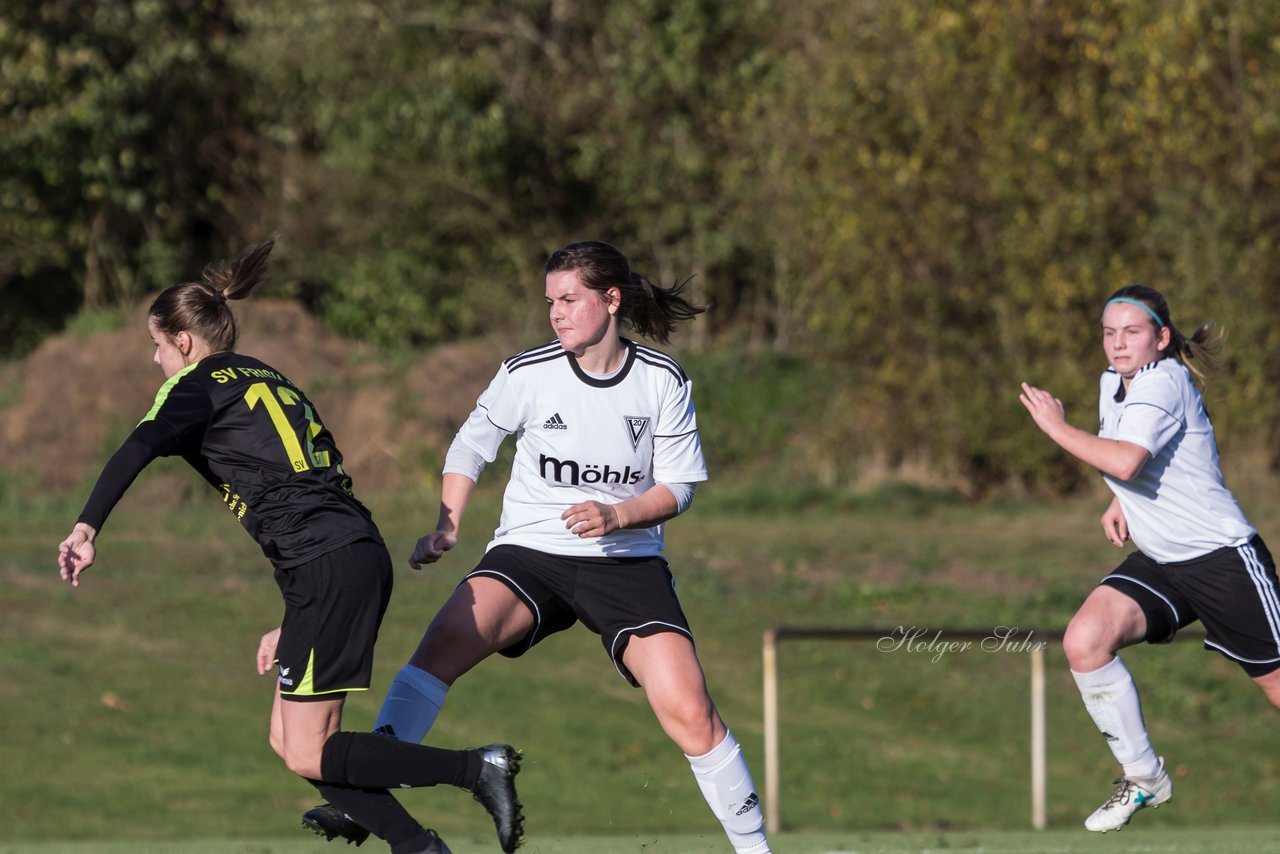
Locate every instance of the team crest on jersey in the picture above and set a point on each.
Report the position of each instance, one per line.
(636, 428)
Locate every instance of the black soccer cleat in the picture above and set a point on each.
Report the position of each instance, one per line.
(433, 844)
(495, 789)
(331, 823)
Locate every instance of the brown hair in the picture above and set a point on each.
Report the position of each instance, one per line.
(1203, 346)
(201, 309)
(651, 310)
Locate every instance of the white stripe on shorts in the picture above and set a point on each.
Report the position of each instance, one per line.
(630, 630)
(1176, 619)
(1266, 590)
(1236, 657)
(522, 594)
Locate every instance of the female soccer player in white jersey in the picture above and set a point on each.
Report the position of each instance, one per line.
(607, 450)
(1198, 557)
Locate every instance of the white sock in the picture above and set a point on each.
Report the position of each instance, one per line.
(411, 705)
(1112, 701)
(726, 783)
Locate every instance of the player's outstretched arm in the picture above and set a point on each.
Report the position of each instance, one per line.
(76, 553)
(1118, 458)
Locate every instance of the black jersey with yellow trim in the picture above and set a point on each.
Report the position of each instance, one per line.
(258, 440)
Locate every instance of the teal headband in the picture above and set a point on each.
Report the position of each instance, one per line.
(1141, 305)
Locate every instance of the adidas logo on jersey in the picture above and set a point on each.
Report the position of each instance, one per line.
(555, 422)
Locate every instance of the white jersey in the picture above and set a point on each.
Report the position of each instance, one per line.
(1177, 506)
(585, 438)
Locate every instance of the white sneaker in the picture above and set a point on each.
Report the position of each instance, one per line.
(1130, 796)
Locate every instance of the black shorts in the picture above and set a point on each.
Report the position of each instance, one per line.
(1233, 591)
(617, 598)
(333, 606)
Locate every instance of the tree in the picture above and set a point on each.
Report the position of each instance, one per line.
(125, 158)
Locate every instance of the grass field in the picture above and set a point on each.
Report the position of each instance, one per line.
(1226, 840)
(133, 719)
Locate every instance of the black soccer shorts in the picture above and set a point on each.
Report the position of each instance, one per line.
(617, 598)
(1233, 591)
(333, 608)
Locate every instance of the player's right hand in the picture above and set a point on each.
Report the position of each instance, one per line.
(76, 553)
(266, 656)
(431, 547)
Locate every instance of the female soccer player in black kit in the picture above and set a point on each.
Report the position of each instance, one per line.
(259, 441)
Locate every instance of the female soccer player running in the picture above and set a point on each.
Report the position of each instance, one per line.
(607, 450)
(257, 439)
(1198, 557)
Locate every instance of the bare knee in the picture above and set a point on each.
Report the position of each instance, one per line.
(304, 763)
(692, 722)
(1089, 643)
(692, 712)
(1107, 621)
(302, 729)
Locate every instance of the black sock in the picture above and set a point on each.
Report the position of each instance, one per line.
(416, 845)
(373, 809)
(370, 761)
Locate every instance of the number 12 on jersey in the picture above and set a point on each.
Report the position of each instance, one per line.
(272, 401)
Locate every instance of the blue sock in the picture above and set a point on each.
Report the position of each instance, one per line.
(411, 705)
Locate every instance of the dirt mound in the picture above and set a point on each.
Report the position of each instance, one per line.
(65, 404)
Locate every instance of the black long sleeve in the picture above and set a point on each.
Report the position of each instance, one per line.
(148, 441)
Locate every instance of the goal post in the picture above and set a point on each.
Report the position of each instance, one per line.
(1034, 642)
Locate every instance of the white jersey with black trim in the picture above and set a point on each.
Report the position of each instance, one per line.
(585, 438)
(1177, 506)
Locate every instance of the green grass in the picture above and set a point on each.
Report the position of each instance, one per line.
(132, 712)
(1261, 839)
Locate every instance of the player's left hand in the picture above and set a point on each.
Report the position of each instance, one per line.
(267, 651)
(592, 519)
(1114, 525)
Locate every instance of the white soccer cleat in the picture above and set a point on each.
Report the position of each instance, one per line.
(1131, 795)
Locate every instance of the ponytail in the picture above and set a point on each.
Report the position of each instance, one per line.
(657, 311)
(201, 309)
(649, 309)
